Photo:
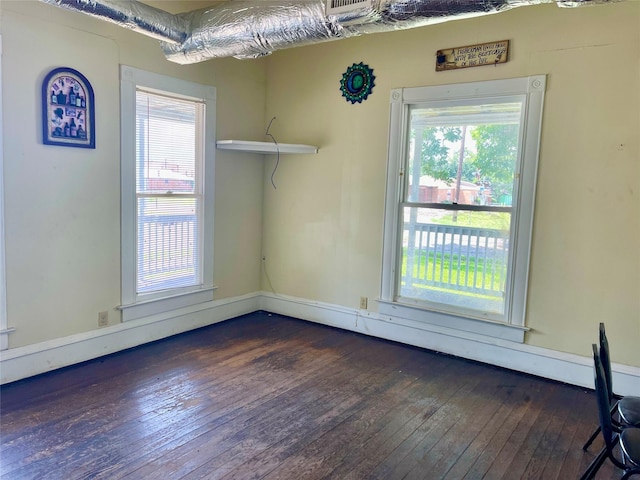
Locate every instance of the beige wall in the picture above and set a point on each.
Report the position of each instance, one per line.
(62, 205)
(323, 223)
(321, 229)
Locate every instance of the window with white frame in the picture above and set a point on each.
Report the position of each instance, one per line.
(459, 205)
(167, 158)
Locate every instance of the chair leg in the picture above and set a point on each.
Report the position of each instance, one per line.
(593, 436)
(595, 465)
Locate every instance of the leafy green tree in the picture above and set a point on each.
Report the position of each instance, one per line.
(437, 160)
(490, 163)
(497, 149)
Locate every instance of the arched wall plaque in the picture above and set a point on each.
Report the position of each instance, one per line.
(68, 110)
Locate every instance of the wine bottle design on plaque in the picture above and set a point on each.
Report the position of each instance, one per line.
(68, 109)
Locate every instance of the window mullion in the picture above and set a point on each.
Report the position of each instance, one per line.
(459, 207)
(168, 194)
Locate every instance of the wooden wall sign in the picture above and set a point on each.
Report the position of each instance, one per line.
(490, 53)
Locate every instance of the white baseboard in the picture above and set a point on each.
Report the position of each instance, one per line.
(563, 367)
(23, 362)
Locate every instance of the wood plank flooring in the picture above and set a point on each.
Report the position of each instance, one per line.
(265, 396)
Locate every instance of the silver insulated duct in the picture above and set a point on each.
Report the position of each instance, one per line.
(254, 28)
(133, 15)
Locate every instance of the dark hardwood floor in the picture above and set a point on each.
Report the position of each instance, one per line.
(272, 397)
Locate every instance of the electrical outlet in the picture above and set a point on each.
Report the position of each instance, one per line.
(363, 303)
(103, 319)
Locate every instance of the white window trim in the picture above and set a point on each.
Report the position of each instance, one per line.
(141, 305)
(4, 330)
(533, 88)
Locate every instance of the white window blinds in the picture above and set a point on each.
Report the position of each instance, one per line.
(169, 192)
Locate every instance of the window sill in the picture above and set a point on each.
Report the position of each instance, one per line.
(165, 304)
(503, 331)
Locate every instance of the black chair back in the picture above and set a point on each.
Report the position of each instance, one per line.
(606, 361)
(604, 406)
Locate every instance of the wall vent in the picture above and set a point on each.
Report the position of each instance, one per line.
(345, 6)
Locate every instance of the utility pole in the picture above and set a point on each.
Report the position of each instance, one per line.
(459, 174)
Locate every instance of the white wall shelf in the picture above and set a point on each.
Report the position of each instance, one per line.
(264, 147)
